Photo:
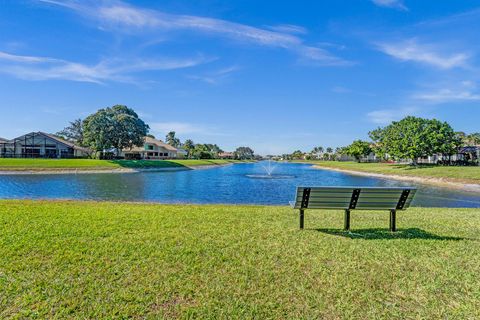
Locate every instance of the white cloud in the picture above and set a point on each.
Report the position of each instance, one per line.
(289, 28)
(411, 50)
(130, 19)
(395, 4)
(386, 116)
(26, 59)
(216, 76)
(46, 68)
(448, 95)
(451, 91)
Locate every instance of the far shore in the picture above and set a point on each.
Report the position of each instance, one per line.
(52, 171)
(438, 182)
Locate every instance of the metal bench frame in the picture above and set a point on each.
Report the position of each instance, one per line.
(355, 201)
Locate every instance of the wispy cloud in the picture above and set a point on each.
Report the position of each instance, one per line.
(117, 15)
(448, 95)
(46, 68)
(386, 116)
(217, 76)
(412, 50)
(395, 4)
(288, 28)
(27, 59)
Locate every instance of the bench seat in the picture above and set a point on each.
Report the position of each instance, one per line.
(353, 198)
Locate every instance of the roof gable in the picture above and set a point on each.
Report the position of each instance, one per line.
(49, 136)
(159, 143)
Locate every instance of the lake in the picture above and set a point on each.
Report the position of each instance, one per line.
(234, 184)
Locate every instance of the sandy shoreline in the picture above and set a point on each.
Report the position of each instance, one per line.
(119, 170)
(438, 182)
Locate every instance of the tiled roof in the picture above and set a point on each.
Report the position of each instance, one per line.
(158, 143)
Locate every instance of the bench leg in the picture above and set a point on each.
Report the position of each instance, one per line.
(393, 218)
(346, 225)
(302, 218)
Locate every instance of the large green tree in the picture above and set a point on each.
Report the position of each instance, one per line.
(244, 153)
(214, 149)
(297, 155)
(358, 149)
(413, 137)
(201, 151)
(117, 127)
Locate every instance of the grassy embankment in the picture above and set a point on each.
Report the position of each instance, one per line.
(89, 164)
(121, 260)
(455, 174)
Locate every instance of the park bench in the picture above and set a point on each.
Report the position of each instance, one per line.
(353, 198)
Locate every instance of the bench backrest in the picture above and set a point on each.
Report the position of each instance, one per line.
(354, 198)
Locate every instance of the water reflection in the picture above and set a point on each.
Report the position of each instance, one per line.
(229, 184)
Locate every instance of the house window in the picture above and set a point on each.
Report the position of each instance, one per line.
(149, 147)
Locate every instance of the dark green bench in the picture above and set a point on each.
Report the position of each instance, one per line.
(353, 198)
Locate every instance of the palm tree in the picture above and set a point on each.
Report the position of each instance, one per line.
(189, 145)
(317, 151)
(172, 140)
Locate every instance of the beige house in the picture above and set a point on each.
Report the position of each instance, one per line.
(153, 149)
(226, 155)
(40, 145)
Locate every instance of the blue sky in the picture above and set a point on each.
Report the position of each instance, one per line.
(273, 75)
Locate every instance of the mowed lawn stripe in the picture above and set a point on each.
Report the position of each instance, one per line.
(7, 164)
(107, 260)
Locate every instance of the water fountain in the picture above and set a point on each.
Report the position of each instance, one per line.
(269, 168)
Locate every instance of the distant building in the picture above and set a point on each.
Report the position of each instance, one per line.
(40, 145)
(152, 149)
(226, 155)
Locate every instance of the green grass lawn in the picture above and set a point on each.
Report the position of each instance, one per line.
(89, 164)
(460, 174)
(120, 260)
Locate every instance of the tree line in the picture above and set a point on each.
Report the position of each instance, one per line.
(120, 128)
(410, 138)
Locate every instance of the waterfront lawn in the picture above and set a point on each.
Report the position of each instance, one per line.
(122, 260)
(7, 164)
(460, 174)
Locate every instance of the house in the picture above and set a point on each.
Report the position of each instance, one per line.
(40, 145)
(226, 155)
(3, 143)
(152, 149)
(468, 155)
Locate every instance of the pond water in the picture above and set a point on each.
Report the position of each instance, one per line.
(235, 184)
